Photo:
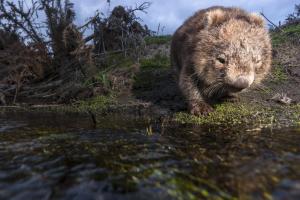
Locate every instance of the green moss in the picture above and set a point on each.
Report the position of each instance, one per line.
(230, 114)
(163, 39)
(158, 61)
(235, 114)
(184, 186)
(193, 189)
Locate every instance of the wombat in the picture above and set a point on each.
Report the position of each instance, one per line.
(217, 52)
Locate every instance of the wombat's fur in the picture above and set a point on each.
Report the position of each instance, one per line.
(217, 52)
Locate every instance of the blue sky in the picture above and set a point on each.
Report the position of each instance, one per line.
(171, 13)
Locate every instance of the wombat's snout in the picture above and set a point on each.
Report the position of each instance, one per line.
(241, 83)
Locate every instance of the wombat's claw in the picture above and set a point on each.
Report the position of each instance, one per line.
(200, 109)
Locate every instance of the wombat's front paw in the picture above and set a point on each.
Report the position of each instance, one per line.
(231, 98)
(200, 108)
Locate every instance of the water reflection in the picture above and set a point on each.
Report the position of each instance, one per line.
(51, 156)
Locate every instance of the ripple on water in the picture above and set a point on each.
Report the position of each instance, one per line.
(48, 161)
(9, 125)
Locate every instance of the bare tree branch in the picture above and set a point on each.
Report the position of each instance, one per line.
(21, 18)
(143, 7)
(262, 14)
(92, 20)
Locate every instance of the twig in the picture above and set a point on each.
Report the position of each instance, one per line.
(144, 6)
(93, 117)
(262, 14)
(92, 20)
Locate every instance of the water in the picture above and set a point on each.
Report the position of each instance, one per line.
(51, 156)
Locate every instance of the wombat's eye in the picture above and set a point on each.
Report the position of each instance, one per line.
(221, 60)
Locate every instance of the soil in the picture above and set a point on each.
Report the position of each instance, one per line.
(159, 87)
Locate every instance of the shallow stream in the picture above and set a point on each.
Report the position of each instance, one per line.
(55, 156)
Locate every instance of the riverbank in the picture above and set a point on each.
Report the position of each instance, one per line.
(147, 89)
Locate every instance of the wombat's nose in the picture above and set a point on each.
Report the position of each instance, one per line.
(241, 83)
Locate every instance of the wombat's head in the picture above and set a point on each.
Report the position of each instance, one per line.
(233, 52)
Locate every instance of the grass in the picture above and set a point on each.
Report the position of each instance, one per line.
(107, 65)
(151, 71)
(99, 78)
(112, 60)
(278, 74)
(225, 114)
(289, 32)
(296, 113)
(159, 40)
(97, 104)
(158, 61)
(145, 80)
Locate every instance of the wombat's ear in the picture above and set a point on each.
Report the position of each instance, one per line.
(257, 19)
(215, 17)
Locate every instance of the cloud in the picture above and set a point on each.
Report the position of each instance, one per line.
(172, 13)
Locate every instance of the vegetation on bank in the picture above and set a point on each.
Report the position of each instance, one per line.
(91, 73)
(158, 40)
(287, 33)
(157, 61)
(241, 114)
(279, 74)
(52, 63)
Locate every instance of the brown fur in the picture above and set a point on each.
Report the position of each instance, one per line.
(217, 52)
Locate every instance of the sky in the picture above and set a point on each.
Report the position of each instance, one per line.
(170, 14)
